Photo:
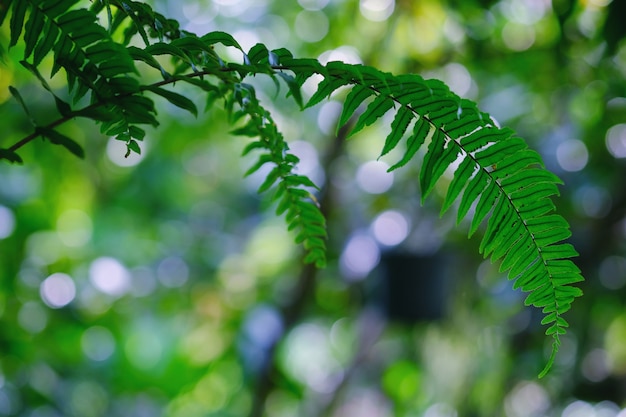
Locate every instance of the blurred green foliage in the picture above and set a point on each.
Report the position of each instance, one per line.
(171, 295)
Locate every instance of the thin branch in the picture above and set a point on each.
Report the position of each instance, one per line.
(77, 113)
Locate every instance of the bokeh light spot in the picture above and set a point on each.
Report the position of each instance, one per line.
(402, 380)
(526, 399)
(88, 399)
(116, 151)
(612, 272)
(441, 410)
(377, 10)
(308, 357)
(614, 344)
(58, 290)
(593, 201)
(518, 37)
(390, 228)
(204, 344)
(372, 177)
(527, 12)
(109, 276)
(263, 326)
(616, 140)
(247, 39)
(311, 26)
(578, 409)
(32, 317)
(44, 247)
(359, 257)
(344, 53)
(173, 272)
(327, 116)
(308, 165)
(199, 13)
(572, 155)
(313, 4)
(144, 349)
(98, 343)
(7, 222)
(143, 281)
(458, 78)
(74, 228)
(594, 366)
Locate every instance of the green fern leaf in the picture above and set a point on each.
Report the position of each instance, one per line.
(139, 54)
(78, 21)
(138, 110)
(32, 31)
(421, 130)
(55, 8)
(220, 37)
(400, 123)
(441, 154)
(258, 54)
(482, 137)
(353, 100)
(17, 20)
(46, 42)
(60, 139)
(375, 110)
(464, 171)
(536, 208)
(488, 198)
(4, 10)
(176, 99)
(294, 87)
(325, 88)
(467, 121)
(161, 48)
(63, 107)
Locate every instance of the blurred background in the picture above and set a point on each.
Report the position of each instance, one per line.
(164, 285)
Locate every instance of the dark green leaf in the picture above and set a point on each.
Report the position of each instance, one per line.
(220, 37)
(60, 139)
(10, 156)
(46, 42)
(17, 96)
(421, 130)
(17, 20)
(353, 100)
(32, 31)
(324, 89)
(133, 145)
(294, 88)
(375, 110)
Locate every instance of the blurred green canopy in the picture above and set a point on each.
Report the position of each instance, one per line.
(162, 284)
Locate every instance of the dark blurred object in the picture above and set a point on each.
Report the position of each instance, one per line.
(412, 287)
(614, 27)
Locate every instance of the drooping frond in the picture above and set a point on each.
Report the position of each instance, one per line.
(293, 199)
(497, 174)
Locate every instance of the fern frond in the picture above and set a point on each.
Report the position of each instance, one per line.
(299, 206)
(497, 174)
